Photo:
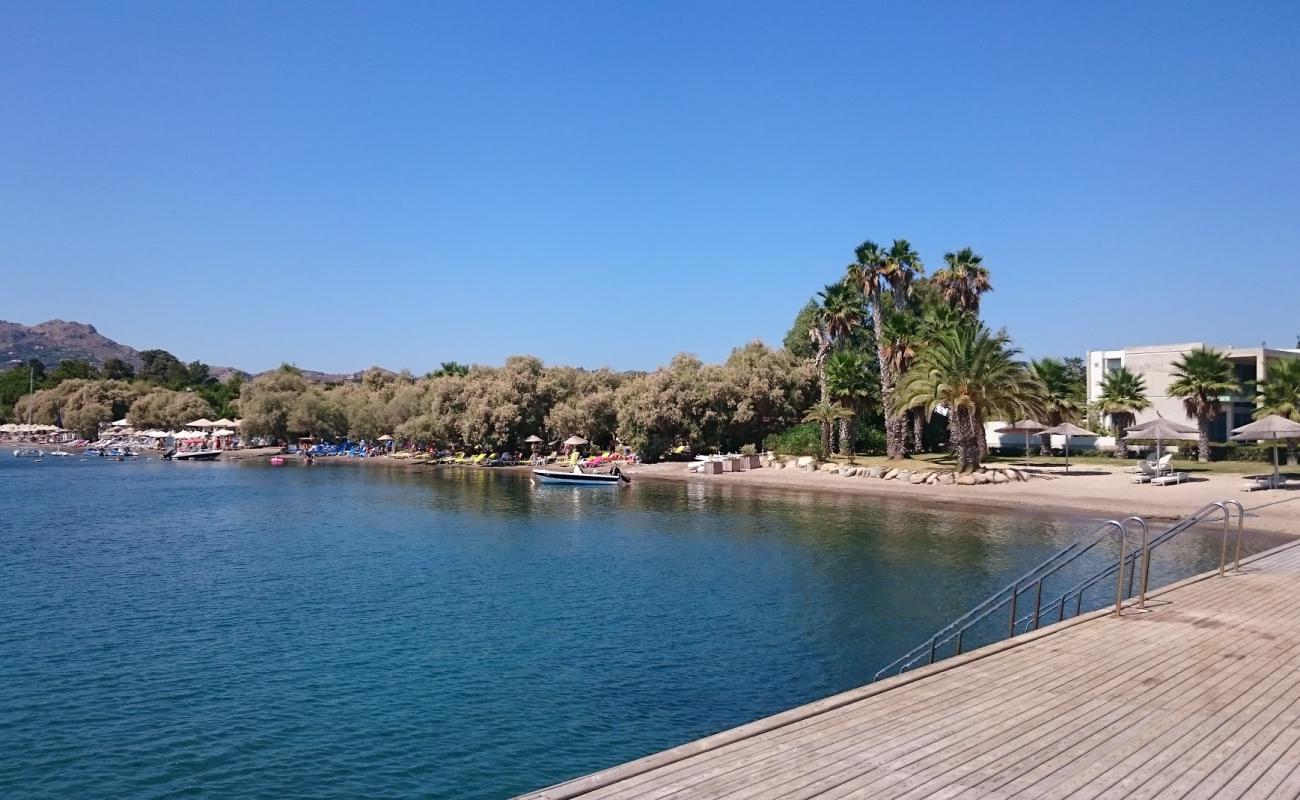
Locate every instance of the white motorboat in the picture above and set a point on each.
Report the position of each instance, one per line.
(579, 478)
(28, 452)
(60, 453)
(195, 455)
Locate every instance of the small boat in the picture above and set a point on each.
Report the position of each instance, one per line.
(28, 452)
(277, 461)
(196, 455)
(60, 453)
(579, 478)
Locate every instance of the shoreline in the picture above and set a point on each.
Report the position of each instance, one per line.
(1092, 492)
(1098, 494)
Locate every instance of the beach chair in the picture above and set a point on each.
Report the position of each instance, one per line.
(1146, 472)
(1165, 465)
(1171, 479)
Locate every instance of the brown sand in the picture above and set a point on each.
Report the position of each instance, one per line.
(1089, 490)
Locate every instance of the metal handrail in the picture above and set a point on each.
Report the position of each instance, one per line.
(1009, 595)
(1034, 578)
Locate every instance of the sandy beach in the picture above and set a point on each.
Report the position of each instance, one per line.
(1091, 491)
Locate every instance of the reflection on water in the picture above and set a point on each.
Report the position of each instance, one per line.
(336, 631)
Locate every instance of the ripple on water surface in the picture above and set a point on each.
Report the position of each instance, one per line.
(229, 630)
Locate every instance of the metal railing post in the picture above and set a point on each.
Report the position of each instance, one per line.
(1015, 596)
(1038, 602)
(1241, 523)
(1223, 549)
(1146, 562)
(1119, 571)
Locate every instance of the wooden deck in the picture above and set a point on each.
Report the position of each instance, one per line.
(1198, 698)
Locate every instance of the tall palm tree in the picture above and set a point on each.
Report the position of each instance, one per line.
(826, 414)
(963, 279)
(1201, 378)
(847, 384)
(1123, 394)
(971, 372)
(902, 335)
(1279, 393)
(868, 271)
(839, 313)
(1059, 403)
(902, 267)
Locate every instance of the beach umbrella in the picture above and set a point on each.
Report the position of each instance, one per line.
(574, 441)
(534, 440)
(1160, 429)
(1274, 427)
(201, 422)
(1067, 429)
(384, 438)
(223, 432)
(223, 423)
(1026, 426)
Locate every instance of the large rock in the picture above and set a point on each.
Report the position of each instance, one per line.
(805, 461)
(966, 480)
(948, 478)
(833, 469)
(849, 472)
(1000, 477)
(921, 477)
(981, 478)
(890, 475)
(876, 472)
(904, 475)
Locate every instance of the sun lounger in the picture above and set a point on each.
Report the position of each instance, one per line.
(1146, 472)
(1171, 478)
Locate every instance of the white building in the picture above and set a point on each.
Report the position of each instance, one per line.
(1154, 363)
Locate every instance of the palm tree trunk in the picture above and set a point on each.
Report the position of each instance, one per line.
(966, 435)
(826, 439)
(1203, 436)
(1121, 446)
(918, 430)
(895, 424)
(1290, 453)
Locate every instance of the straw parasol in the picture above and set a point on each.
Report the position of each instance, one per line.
(1274, 427)
(224, 423)
(1067, 429)
(1160, 429)
(1028, 427)
(223, 432)
(384, 438)
(201, 422)
(574, 441)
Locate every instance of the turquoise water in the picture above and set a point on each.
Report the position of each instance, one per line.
(231, 630)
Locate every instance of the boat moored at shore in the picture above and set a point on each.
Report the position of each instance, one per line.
(579, 478)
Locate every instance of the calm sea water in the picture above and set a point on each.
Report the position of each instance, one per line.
(232, 630)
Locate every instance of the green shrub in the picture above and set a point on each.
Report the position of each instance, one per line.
(871, 441)
(1236, 452)
(748, 450)
(800, 440)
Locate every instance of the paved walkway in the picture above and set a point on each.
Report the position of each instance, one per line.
(1198, 698)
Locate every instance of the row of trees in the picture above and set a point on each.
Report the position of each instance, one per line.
(164, 393)
(757, 390)
(1201, 378)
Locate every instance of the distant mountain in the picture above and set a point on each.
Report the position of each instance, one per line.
(53, 341)
(56, 340)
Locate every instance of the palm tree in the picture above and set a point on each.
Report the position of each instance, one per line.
(901, 336)
(839, 314)
(1123, 394)
(1279, 393)
(872, 270)
(847, 384)
(1201, 378)
(1059, 403)
(826, 414)
(971, 372)
(902, 267)
(963, 280)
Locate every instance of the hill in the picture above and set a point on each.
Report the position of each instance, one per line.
(53, 341)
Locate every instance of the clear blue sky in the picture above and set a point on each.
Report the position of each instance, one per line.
(341, 184)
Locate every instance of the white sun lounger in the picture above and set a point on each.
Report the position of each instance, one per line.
(1146, 473)
(1171, 478)
(1261, 482)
